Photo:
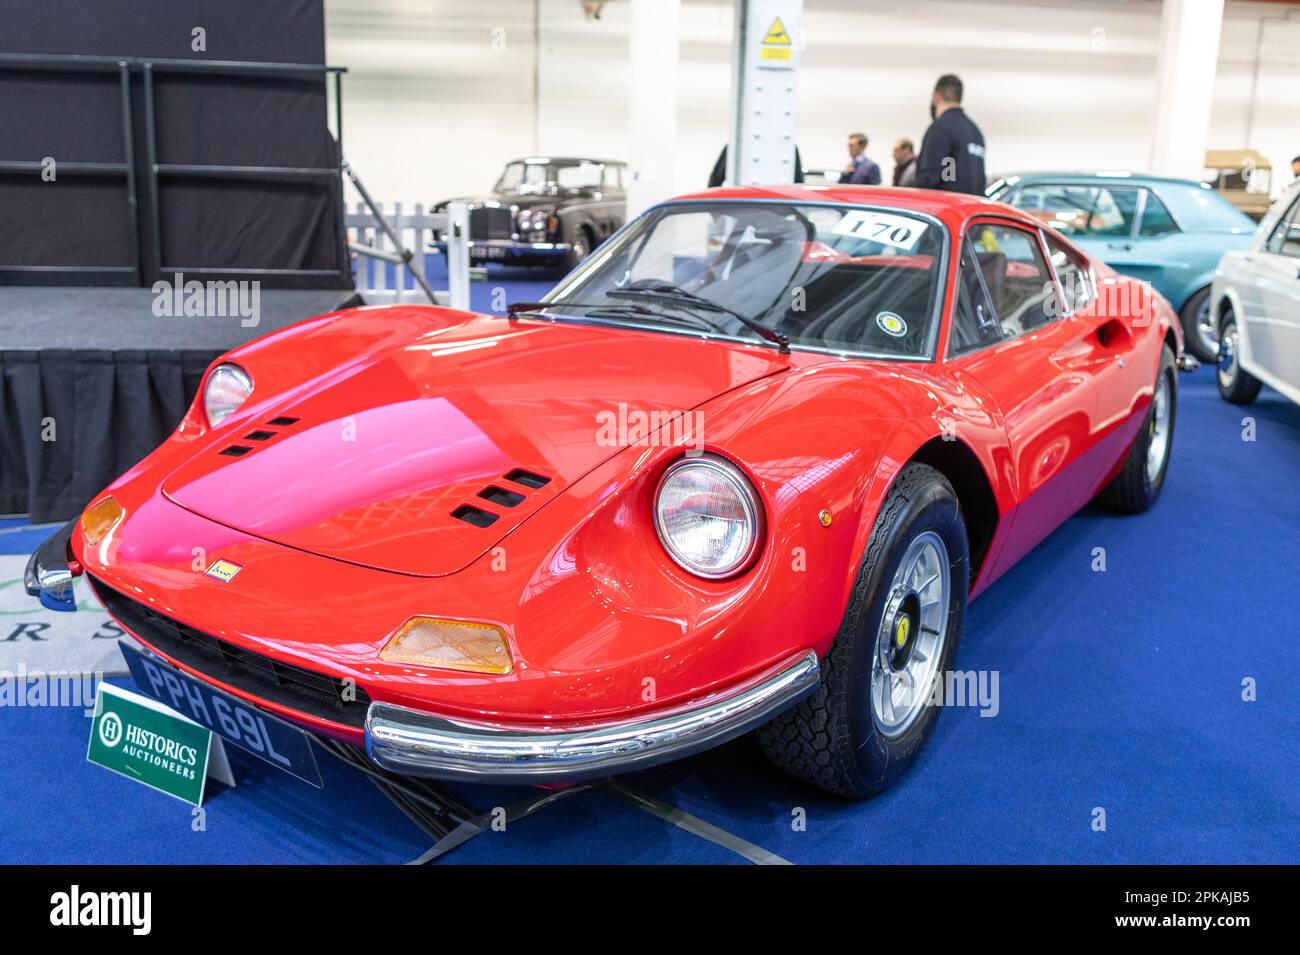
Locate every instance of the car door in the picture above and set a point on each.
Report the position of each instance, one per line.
(1107, 345)
(1270, 327)
(1012, 340)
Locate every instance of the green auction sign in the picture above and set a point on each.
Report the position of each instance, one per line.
(143, 740)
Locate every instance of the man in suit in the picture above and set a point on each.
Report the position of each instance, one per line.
(860, 170)
(904, 163)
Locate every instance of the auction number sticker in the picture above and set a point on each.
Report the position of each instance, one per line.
(899, 231)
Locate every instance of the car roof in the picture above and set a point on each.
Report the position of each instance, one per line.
(1104, 174)
(951, 207)
(539, 160)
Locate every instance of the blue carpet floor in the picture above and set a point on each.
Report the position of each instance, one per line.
(1120, 692)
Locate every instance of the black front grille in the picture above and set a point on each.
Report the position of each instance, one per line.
(318, 695)
(491, 223)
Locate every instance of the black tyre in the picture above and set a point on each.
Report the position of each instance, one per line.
(1138, 485)
(1200, 333)
(1235, 383)
(580, 246)
(858, 734)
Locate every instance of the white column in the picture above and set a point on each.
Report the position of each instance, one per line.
(764, 77)
(654, 35)
(1185, 68)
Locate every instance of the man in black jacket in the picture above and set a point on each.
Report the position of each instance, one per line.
(952, 152)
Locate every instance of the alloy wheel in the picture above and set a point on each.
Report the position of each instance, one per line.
(913, 631)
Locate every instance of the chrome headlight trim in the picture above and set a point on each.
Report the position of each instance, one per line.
(242, 379)
(747, 496)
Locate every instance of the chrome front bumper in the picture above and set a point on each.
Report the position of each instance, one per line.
(418, 744)
(48, 575)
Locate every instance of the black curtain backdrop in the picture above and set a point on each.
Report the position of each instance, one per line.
(112, 378)
(91, 380)
(108, 409)
(201, 118)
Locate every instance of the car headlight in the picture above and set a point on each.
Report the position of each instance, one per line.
(708, 516)
(228, 387)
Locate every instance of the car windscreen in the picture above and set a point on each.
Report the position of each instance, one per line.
(843, 278)
(537, 176)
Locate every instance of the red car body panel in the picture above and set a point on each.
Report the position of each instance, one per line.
(340, 521)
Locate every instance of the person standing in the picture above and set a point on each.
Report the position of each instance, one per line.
(719, 174)
(904, 163)
(860, 170)
(952, 152)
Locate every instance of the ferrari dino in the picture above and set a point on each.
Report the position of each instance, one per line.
(742, 469)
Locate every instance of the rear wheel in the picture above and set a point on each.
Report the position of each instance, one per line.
(1199, 328)
(1138, 485)
(877, 705)
(1235, 383)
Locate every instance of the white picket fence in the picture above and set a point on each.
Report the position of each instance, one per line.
(379, 265)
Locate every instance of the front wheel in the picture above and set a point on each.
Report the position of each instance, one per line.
(1235, 383)
(1137, 486)
(583, 242)
(877, 703)
(1199, 328)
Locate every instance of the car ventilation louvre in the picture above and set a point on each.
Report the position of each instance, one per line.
(500, 496)
(260, 434)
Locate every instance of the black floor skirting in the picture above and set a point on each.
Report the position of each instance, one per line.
(73, 420)
(91, 380)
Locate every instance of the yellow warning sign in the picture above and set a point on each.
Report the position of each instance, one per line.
(776, 43)
(776, 34)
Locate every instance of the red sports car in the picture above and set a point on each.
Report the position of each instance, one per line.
(742, 469)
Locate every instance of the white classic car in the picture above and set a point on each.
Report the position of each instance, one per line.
(1256, 296)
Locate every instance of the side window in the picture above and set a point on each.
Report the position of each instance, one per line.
(1073, 273)
(1156, 219)
(1064, 208)
(1285, 239)
(1018, 278)
(1081, 210)
(610, 182)
(1113, 214)
(973, 323)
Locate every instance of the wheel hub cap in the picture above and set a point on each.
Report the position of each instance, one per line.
(1205, 330)
(913, 631)
(1228, 356)
(1158, 429)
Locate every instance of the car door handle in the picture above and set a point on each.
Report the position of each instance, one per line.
(1125, 246)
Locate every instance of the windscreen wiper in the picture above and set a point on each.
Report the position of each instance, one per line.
(515, 308)
(667, 292)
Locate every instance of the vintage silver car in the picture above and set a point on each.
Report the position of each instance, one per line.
(1256, 299)
(545, 211)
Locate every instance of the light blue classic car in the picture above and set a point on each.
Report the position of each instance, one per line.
(1170, 232)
